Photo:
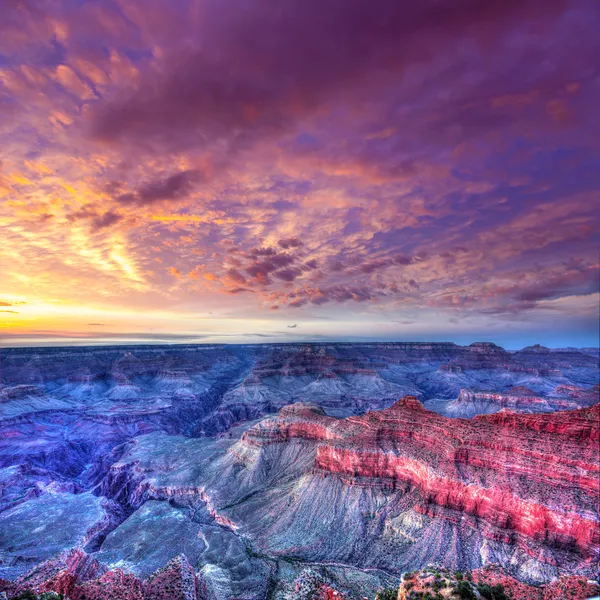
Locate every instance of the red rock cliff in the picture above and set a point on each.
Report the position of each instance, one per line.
(534, 475)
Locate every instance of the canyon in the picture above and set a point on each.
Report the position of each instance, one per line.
(247, 472)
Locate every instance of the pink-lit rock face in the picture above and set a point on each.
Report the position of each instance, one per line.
(79, 577)
(503, 470)
(438, 580)
(310, 586)
(567, 586)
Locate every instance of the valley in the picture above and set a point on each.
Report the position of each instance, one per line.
(238, 472)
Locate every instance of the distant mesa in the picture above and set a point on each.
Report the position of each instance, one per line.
(535, 349)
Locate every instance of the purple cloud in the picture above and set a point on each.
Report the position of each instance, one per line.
(171, 188)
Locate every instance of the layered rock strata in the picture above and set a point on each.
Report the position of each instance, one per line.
(524, 479)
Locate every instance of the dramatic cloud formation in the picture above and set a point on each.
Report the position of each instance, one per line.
(384, 169)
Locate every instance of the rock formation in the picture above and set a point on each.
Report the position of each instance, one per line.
(489, 583)
(521, 399)
(498, 474)
(139, 472)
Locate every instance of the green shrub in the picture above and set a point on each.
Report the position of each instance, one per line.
(387, 594)
(492, 592)
(26, 595)
(463, 590)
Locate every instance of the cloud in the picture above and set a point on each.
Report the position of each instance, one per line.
(578, 282)
(261, 269)
(292, 242)
(249, 71)
(236, 276)
(528, 293)
(375, 265)
(173, 187)
(293, 326)
(367, 160)
(323, 295)
(113, 335)
(107, 219)
(298, 302)
(97, 219)
(287, 274)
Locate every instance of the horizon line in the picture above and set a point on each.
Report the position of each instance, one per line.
(157, 343)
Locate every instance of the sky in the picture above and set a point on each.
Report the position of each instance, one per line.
(254, 171)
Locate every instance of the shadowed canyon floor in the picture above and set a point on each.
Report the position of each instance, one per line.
(248, 472)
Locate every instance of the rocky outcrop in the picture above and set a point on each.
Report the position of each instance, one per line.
(80, 577)
(311, 586)
(18, 392)
(544, 359)
(480, 355)
(534, 360)
(521, 477)
(471, 403)
(58, 574)
(535, 349)
(353, 377)
(176, 580)
(582, 396)
(121, 388)
(490, 582)
(520, 399)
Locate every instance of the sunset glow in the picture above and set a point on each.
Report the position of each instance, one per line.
(193, 170)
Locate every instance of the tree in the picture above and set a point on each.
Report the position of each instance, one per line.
(26, 595)
(492, 592)
(465, 591)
